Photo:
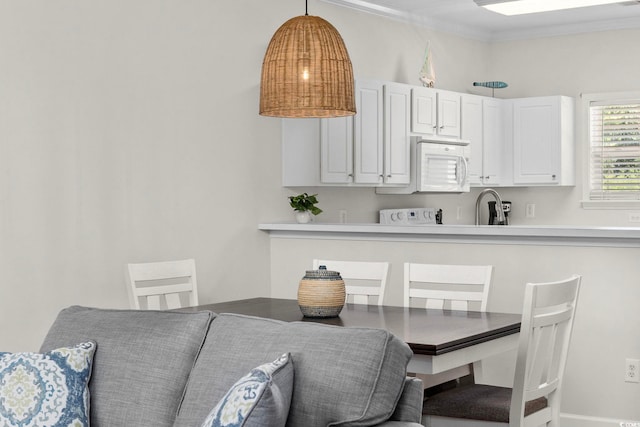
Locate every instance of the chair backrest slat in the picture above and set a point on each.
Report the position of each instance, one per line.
(545, 333)
(164, 289)
(362, 279)
(153, 302)
(173, 301)
(447, 286)
(161, 284)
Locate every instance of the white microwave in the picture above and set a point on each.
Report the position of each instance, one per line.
(441, 166)
(437, 166)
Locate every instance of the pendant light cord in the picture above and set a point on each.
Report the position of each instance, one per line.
(306, 7)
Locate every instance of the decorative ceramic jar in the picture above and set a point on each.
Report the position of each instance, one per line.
(321, 293)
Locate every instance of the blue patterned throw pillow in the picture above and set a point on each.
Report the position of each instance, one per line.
(259, 399)
(46, 389)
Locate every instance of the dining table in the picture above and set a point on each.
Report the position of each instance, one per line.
(442, 341)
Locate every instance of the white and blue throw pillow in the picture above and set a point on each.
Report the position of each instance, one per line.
(46, 389)
(259, 399)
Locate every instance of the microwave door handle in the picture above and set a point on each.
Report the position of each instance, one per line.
(465, 169)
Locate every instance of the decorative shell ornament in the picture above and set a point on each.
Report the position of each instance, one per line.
(427, 75)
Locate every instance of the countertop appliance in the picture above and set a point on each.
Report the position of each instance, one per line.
(437, 166)
(493, 214)
(416, 216)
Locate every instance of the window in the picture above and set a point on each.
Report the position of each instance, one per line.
(614, 135)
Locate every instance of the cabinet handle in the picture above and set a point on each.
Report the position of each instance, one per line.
(388, 176)
(350, 175)
(442, 127)
(435, 127)
(553, 177)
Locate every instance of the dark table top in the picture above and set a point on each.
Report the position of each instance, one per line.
(427, 331)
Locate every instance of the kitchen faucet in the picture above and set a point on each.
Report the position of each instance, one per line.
(499, 210)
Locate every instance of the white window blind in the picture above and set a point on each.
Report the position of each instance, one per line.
(615, 150)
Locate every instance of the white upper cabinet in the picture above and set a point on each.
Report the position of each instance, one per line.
(424, 112)
(482, 126)
(435, 112)
(336, 150)
(493, 143)
(471, 130)
(352, 148)
(381, 133)
(368, 132)
(543, 141)
(449, 114)
(300, 152)
(371, 148)
(397, 139)
(518, 142)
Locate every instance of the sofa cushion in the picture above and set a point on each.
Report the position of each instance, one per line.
(409, 407)
(46, 389)
(343, 376)
(259, 399)
(142, 362)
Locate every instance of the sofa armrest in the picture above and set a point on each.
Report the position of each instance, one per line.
(409, 407)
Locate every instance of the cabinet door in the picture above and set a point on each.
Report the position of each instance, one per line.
(336, 147)
(536, 140)
(397, 143)
(368, 133)
(471, 130)
(449, 114)
(300, 152)
(423, 110)
(493, 141)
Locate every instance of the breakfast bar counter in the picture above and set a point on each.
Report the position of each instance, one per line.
(606, 257)
(487, 234)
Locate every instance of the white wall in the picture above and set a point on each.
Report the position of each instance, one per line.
(129, 131)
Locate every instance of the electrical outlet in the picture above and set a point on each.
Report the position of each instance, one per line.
(632, 370)
(343, 216)
(458, 212)
(530, 211)
(634, 217)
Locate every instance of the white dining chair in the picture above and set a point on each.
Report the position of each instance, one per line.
(447, 286)
(159, 285)
(534, 400)
(453, 287)
(363, 279)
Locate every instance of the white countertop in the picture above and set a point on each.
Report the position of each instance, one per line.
(540, 235)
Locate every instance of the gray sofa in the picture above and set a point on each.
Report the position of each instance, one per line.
(164, 368)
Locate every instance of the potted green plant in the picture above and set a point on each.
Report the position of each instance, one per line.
(304, 205)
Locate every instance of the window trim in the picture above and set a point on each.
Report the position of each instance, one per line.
(587, 99)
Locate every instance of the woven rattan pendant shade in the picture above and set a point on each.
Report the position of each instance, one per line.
(307, 72)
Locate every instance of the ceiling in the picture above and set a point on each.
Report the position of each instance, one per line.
(464, 17)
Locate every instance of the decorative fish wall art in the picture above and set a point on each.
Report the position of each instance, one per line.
(492, 85)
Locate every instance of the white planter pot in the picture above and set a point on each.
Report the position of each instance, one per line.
(303, 217)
